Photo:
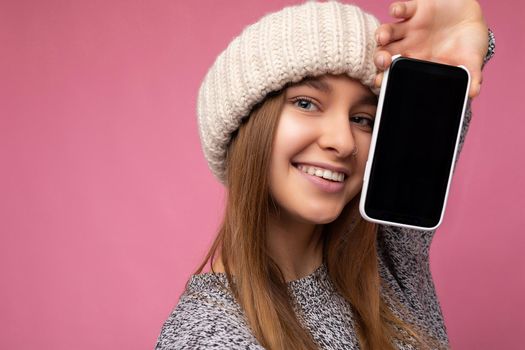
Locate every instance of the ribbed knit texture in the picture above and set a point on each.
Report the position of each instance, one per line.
(310, 39)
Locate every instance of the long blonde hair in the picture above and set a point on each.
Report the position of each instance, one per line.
(349, 251)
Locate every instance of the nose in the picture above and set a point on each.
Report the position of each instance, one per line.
(336, 135)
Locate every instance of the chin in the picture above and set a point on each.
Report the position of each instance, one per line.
(321, 217)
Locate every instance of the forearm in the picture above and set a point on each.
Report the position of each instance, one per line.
(468, 110)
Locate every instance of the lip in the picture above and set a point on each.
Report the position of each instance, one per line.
(325, 166)
(322, 184)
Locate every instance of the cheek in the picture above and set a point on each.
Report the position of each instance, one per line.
(292, 136)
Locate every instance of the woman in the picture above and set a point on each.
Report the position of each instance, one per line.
(295, 266)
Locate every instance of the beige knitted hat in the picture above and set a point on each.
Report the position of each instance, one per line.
(309, 39)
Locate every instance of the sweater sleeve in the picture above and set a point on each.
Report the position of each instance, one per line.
(404, 253)
(201, 322)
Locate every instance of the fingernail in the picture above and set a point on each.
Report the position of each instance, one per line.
(377, 39)
(395, 10)
(381, 61)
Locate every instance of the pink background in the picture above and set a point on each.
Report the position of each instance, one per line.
(107, 203)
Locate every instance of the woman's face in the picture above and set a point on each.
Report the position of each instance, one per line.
(322, 122)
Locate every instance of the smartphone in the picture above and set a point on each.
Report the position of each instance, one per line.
(417, 128)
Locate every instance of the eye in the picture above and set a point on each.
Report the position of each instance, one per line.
(364, 120)
(305, 102)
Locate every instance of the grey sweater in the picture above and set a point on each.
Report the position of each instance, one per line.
(207, 317)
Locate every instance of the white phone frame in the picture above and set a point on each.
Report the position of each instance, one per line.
(372, 151)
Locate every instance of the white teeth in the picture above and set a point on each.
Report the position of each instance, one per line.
(327, 174)
(324, 173)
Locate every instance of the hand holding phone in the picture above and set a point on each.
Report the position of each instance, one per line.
(449, 32)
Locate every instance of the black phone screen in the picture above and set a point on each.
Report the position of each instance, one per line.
(414, 151)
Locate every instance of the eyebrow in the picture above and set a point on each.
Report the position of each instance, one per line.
(368, 100)
(323, 86)
(314, 82)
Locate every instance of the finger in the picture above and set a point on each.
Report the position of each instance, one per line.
(403, 9)
(475, 85)
(378, 80)
(382, 59)
(389, 32)
(393, 48)
(474, 90)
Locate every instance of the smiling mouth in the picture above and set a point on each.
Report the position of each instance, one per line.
(321, 173)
